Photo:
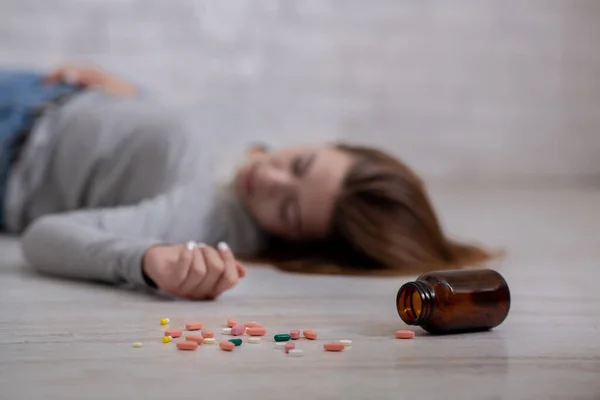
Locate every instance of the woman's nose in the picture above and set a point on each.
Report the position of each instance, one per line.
(276, 179)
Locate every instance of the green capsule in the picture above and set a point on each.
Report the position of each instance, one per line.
(237, 342)
(282, 337)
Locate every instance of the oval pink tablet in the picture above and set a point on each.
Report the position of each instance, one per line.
(187, 345)
(253, 324)
(194, 338)
(288, 347)
(207, 333)
(174, 333)
(231, 322)
(256, 331)
(334, 346)
(404, 334)
(295, 334)
(193, 326)
(309, 334)
(226, 346)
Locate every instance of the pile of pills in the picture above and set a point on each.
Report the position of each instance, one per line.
(254, 331)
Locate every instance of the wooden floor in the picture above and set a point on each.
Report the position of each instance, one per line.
(61, 340)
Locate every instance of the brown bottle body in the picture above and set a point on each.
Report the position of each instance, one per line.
(455, 301)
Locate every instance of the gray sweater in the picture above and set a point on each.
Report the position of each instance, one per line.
(103, 178)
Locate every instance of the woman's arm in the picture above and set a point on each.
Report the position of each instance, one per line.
(110, 245)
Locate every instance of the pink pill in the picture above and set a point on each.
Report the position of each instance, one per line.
(256, 331)
(238, 330)
(295, 334)
(288, 347)
(404, 334)
(253, 324)
(231, 322)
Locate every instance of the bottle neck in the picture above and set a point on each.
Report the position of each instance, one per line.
(415, 302)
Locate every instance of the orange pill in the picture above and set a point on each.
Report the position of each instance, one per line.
(187, 345)
(231, 322)
(404, 334)
(193, 326)
(173, 333)
(256, 331)
(226, 345)
(207, 333)
(334, 346)
(253, 324)
(309, 334)
(194, 338)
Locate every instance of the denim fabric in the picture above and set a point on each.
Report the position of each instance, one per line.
(22, 93)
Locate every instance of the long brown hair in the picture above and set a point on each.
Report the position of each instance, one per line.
(382, 223)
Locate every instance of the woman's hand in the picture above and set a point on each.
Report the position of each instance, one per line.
(91, 77)
(195, 272)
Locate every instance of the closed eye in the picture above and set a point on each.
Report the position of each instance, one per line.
(301, 164)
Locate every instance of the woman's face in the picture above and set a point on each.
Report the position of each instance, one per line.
(291, 192)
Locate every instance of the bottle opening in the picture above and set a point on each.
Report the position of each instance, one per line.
(410, 303)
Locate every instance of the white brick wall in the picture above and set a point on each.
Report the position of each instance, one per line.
(479, 89)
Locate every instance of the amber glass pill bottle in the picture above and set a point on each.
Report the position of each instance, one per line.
(455, 301)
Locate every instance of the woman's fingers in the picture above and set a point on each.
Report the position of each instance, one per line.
(215, 267)
(176, 275)
(230, 275)
(196, 274)
(241, 268)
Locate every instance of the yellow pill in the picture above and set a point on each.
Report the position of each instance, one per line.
(137, 345)
(166, 339)
(164, 321)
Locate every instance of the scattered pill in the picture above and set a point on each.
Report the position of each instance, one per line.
(253, 324)
(226, 331)
(195, 338)
(226, 345)
(253, 339)
(282, 337)
(309, 334)
(334, 346)
(280, 345)
(231, 322)
(174, 333)
(295, 334)
(166, 339)
(289, 346)
(404, 334)
(193, 326)
(187, 345)
(137, 345)
(164, 321)
(346, 342)
(296, 353)
(210, 340)
(238, 330)
(237, 342)
(256, 331)
(207, 333)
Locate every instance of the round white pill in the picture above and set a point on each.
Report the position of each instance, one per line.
(296, 353)
(226, 331)
(210, 340)
(346, 342)
(137, 345)
(253, 339)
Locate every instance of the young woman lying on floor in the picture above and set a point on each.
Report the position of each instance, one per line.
(107, 186)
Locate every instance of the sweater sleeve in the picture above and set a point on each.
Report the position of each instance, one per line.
(101, 244)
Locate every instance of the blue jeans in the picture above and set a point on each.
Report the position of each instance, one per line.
(22, 93)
